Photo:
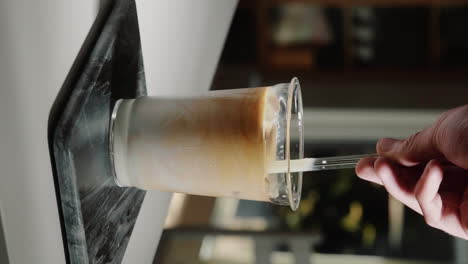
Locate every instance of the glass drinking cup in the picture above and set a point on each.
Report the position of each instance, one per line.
(217, 143)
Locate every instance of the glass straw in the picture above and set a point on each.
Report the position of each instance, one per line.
(317, 164)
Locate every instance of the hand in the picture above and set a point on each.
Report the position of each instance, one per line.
(428, 171)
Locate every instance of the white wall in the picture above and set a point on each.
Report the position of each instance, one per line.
(39, 41)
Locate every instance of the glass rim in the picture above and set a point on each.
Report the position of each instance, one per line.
(111, 138)
(294, 94)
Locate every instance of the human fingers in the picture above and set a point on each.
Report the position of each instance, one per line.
(438, 212)
(417, 148)
(426, 193)
(455, 180)
(464, 212)
(452, 136)
(399, 181)
(365, 170)
(446, 138)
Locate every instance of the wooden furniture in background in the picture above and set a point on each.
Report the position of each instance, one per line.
(271, 57)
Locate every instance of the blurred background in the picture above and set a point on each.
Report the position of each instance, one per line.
(368, 69)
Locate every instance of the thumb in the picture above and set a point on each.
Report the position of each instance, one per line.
(418, 148)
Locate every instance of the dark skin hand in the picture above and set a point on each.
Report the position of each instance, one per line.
(428, 171)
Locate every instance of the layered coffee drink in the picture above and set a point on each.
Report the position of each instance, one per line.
(219, 143)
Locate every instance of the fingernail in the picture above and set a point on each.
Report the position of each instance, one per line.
(385, 144)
